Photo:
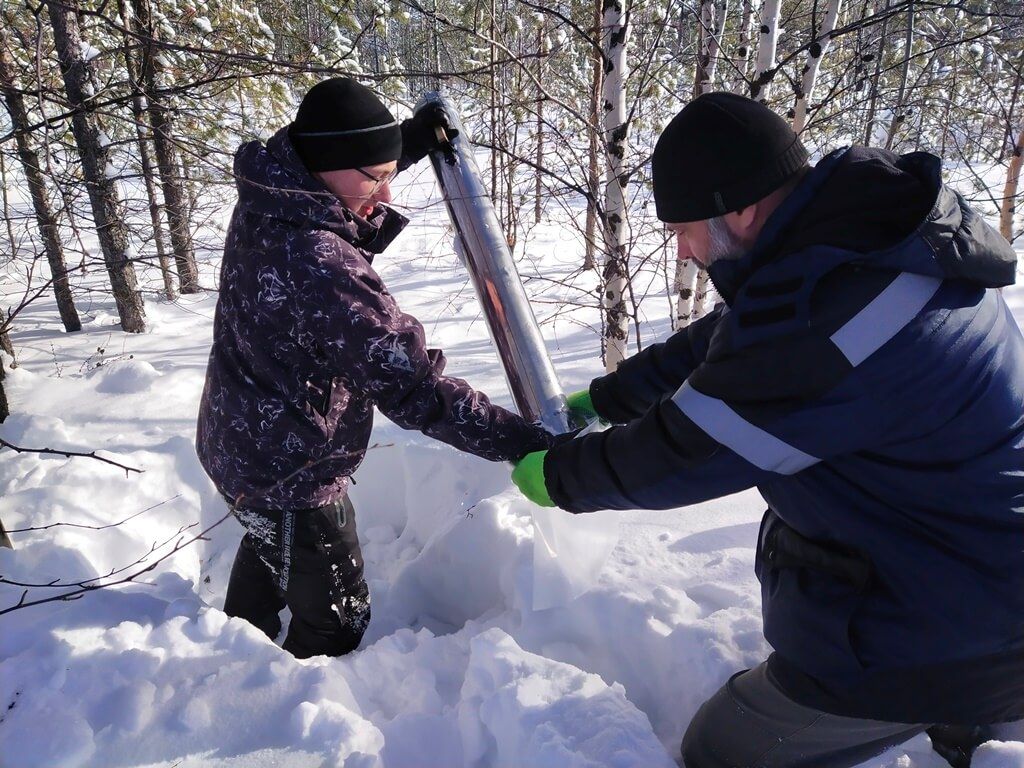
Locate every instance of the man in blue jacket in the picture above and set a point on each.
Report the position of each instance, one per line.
(867, 377)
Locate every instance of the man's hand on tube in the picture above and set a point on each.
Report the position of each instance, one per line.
(420, 134)
(528, 476)
(582, 406)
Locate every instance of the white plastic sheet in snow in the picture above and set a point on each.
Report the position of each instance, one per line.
(569, 550)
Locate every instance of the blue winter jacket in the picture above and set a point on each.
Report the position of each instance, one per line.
(868, 378)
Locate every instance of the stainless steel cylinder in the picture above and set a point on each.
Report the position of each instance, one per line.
(481, 246)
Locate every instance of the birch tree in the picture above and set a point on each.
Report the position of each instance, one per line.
(690, 284)
(869, 123)
(94, 152)
(5, 411)
(616, 225)
(818, 48)
(1009, 202)
(594, 145)
(741, 59)
(767, 43)
(898, 110)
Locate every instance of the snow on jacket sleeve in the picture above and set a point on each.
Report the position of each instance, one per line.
(657, 370)
(380, 353)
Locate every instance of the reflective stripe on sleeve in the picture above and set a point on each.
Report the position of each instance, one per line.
(723, 424)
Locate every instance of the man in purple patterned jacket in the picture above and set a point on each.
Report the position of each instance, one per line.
(306, 341)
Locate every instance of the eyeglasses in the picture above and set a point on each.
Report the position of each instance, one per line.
(379, 181)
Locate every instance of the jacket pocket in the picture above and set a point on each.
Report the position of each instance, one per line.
(318, 396)
(811, 593)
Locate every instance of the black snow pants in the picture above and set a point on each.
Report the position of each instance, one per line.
(310, 561)
(751, 723)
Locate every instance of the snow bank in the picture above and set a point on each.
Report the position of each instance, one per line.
(520, 709)
(129, 377)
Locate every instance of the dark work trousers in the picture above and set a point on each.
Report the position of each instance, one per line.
(310, 561)
(751, 723)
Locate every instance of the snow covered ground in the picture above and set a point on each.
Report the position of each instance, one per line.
(456, 669)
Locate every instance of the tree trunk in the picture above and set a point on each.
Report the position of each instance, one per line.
(741, 61)
(897, 113)
(767, 42)
(690, 284)
(715, 46)
(5, 409)
(876, 78)
(45, 219)
(435, 36)
(175, 199)
(616, 130)
(822, 40)
(684, 285)
(594, 151)
(146, 158)
(495, 155)
(705, 34)
(538, 189)
(1008, 142)
(700, 295)
(1009, 207)
(107, 209)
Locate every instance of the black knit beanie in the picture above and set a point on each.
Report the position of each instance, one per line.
(342, 124)
(721, 153)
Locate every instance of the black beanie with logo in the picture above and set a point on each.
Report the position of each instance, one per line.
(342, 124)
(721, 153)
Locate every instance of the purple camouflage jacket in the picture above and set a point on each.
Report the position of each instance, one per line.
(307, 339)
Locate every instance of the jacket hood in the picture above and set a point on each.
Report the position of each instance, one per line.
(273, 183)
(880, 210)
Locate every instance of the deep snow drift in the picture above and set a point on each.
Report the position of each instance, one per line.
(456, 669)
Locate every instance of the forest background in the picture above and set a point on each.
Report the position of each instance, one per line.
(122, 117)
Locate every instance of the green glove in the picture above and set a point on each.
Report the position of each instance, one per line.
(528, 476)
(581, 406)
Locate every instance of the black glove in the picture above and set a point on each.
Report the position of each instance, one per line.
(419, 134)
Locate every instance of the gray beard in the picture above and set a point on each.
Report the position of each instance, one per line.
(722, 243)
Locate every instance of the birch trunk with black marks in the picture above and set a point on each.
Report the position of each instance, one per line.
(767, 42)
(715, 44)
(690, 284)
(869, 124)
(493, 106)
(104, 197)
(818, 48)
(5, 409)
(898, 113)
(538, 188)
(615, 278)
(705, 35)
(146, 157)
(46, 221)
(175, 200)
(685, 287)
(1009, 206)
(594, 150)
(741, 60)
